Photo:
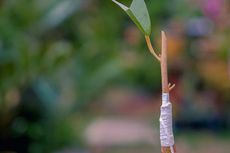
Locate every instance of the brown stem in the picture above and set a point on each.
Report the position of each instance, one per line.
(164, 73)
(167, 149)
(159, 57)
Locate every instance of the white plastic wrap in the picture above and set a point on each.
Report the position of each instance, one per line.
(166, 131)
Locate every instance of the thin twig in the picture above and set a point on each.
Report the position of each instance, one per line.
(171, 86)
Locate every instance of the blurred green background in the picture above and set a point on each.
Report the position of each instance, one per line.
(76, 76)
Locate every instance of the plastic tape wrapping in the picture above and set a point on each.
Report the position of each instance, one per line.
(166, 131)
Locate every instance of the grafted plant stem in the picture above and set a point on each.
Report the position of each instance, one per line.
(166, 87)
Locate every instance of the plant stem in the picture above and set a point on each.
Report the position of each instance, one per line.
(166, 88)
(164, 78)
(152, 51)
(164, 72)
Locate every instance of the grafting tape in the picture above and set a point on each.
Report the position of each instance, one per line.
(166, 131)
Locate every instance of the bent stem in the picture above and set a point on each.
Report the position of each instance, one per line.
(152, 51)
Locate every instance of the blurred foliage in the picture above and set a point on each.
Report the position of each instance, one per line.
(57, 56)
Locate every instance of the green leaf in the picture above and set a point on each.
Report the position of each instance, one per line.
(139, 14)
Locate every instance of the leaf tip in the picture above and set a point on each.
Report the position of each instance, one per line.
(125, 8)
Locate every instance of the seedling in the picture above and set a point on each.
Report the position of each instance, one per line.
(138, 12)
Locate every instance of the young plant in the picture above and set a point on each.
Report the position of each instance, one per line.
(139, 14)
